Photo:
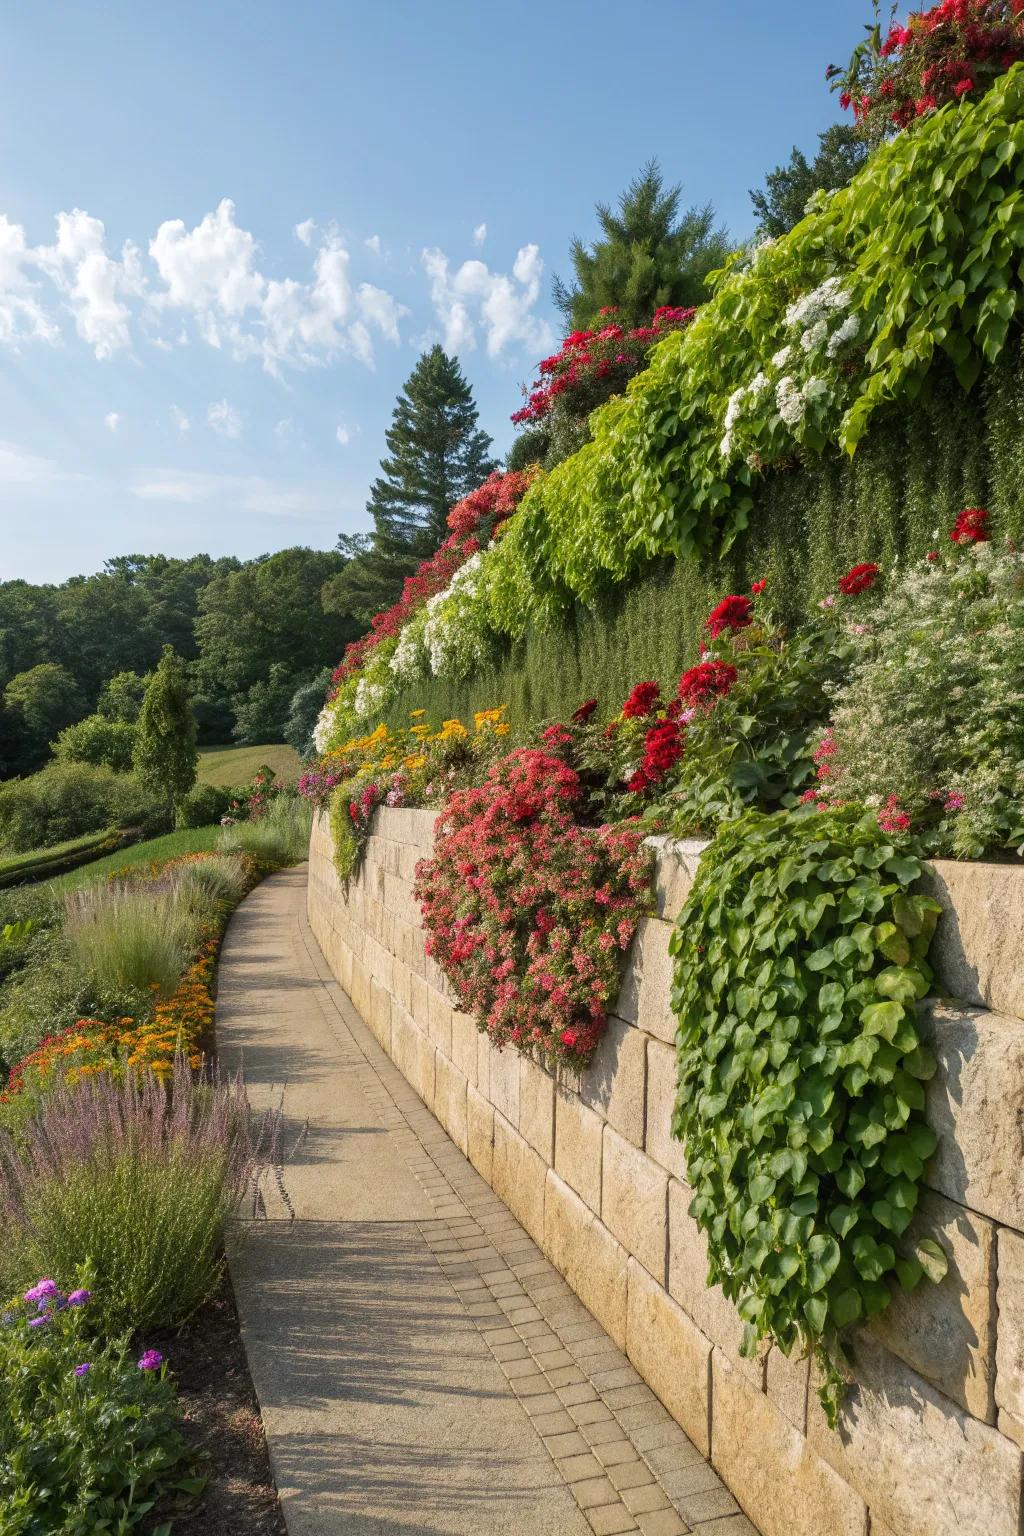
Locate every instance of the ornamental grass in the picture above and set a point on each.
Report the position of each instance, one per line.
(279, 837)
(137, 936)
(139, 1178)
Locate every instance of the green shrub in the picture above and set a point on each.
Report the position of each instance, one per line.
(281, 836)
(46, 863)
(346, 840)
(97, 740)
(88, 1428)
(138, 1178)
(66, 800)
(134, 936)
(203, 806)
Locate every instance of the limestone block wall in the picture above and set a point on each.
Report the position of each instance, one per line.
(931, 1438)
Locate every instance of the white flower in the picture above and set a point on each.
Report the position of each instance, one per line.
(814, 389)
(815, 337)
(846, 332)
(789, 401)
(782, 357)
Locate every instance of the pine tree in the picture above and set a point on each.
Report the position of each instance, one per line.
(164, 756)
(436, 455)
(648, 255)
(781, 204)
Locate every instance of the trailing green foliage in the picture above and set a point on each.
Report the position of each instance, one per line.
(799, 958)
(348, 837)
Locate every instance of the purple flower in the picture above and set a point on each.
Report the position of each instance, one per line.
(37, 1322)
(79, 1298)
(83, 1369)
(42, 1291)
(152, 1360)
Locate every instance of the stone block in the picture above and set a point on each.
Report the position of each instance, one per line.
(379, 1014)
(976, 1105)
(484, 1052)
(403, 1049)
(578, 1132)
(419, 999)
(1010, 1336)
(464, 1044)
(425, 1080)
(978, 942)
(947, 1331)
(614, 1084)
(786, 1380)
(675, 866)
(1011, 1426)
(584, 1251)
(450, 1101)
(634, 1202)
(708, 1305)
(662, 1074)
(401, 983)
(517, 1177)
(645, 997)
(920, 1462)
(439, 1021)
(537, 1108)
(782, 1482)
(479, 1132)
(504, 1083)
(671, 1354)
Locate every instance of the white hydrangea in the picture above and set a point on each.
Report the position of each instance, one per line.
(324, 725)
(846, 332)
(782, 357)
(819, 304)
(747, 393)
(370, 697)
(789, 401)
(407, 660)
(815, 336)
(440, 629)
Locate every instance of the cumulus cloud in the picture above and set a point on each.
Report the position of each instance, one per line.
(500, 305)
(179, 419)
(93, 283)
(222, 418)
(480, 234)
(305, 231)
(22, 316)
(112, 420)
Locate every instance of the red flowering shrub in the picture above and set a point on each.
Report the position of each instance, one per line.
(859, 578)
(591, 365)
(954, 50)
(582, 715)
(527, 912)
(971, 527)
(663, 747)
(473, 522)
(707, 681)
(731, 613)
(642, 701)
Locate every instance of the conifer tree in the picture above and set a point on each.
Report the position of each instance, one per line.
(164, 755)
(436, 455)
(648, 255)
(781, 203)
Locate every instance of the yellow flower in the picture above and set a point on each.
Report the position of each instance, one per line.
(414, 714)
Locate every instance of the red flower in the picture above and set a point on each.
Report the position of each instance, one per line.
(642, 701)
(583, 714)
(932, 555)
(844, 100)
(708, 680)
(732, 613)
(556, 735)
(891, 818)
(962, 87)
(859, 578)
(971, 527)
(757, 587)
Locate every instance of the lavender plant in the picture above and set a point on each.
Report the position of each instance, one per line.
(140, 1179)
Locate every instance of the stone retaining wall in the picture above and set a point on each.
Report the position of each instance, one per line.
(930, 1439)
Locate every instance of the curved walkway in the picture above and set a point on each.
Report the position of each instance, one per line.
(421, 1367)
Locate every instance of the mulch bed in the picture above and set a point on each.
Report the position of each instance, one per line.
(222, 1423)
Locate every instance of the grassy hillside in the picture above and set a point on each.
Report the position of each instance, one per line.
(169, 846)
(236, 765)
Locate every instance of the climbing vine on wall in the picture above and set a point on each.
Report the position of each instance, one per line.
(799, 960)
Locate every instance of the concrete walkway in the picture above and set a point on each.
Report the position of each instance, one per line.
(421, 1367)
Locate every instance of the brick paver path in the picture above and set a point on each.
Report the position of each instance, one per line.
(421, 1366)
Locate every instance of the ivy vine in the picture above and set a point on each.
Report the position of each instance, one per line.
(799, 961)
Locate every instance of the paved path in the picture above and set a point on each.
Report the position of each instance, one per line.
(422, 1369)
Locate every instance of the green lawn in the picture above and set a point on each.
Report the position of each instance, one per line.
(194, 840)
(20, 866)
(236, 765)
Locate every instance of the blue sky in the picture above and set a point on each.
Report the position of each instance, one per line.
(226, 231)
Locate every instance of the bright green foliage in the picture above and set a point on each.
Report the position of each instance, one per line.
(648, 255)
(279, 837)
(81, 1454)
(799, 959)
(122, 696)
(348, 838)
(922, 249)
(788, 189)
(97, 739)
(37, 704)
(164, 754)
(65, 800)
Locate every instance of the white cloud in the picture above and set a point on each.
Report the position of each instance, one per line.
(112, 420)
(242, 493)
(18, 467)
(179, 419)
(223, 419)
(372, 243)
(501, 306)
(208, 269)
(305, 231)
(93, 283)
(343, 435)
(22, 317)
(480, 234)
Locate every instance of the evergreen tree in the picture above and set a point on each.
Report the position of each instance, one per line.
(436, 455)
(781, 204)
(164, 756)
(648, 255)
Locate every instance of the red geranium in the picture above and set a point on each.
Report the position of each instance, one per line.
(971, 527)
(583, 714)
(859, 578)
(706, 681)
(757, 587)
(663, 747)
(642, 701)
(733, 613)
